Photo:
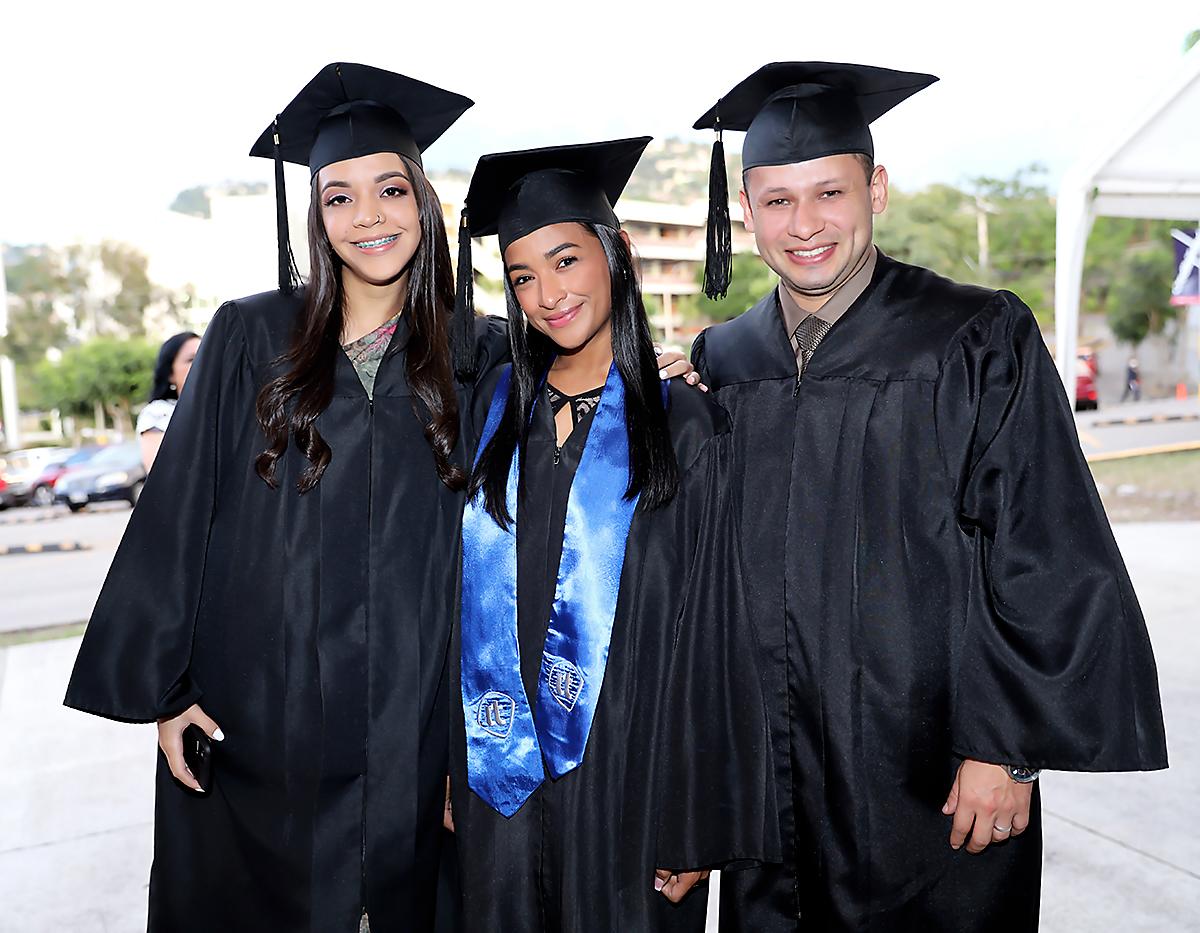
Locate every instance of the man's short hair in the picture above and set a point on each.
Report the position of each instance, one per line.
(867, 163)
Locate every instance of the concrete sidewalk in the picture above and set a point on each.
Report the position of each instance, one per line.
(1122, 851)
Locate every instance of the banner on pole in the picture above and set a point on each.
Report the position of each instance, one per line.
(1186, 288)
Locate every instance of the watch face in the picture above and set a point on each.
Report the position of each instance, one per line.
(1023, 775)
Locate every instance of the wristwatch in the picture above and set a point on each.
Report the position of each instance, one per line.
(1022, 775)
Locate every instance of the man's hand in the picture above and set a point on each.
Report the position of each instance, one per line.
(675, 885)
(170, 740)
(673, 365)
(987, 805)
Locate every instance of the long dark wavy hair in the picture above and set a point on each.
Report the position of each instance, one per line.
(162, 387)
(288, 406)
(653, 471)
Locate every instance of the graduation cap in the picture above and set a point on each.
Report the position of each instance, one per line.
(348, 111)
(794, 112)
(513, 194)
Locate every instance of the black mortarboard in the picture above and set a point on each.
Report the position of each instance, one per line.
(514, 193)
(348, 111)
(351, 110)
(794, 112)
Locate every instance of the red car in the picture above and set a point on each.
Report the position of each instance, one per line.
(1086, 398)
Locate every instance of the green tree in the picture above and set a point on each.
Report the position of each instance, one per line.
(1139, 301)
(135, 292)
(934, 228)
(193, 202)
(110, 372)
(1020, 221)
(751, 280)
(1108, 246)
(35, 282)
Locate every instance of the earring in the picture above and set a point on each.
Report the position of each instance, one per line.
(172, 386)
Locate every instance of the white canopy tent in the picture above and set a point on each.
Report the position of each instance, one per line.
(1150, 170)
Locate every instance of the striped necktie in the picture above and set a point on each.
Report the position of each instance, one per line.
(811, 332)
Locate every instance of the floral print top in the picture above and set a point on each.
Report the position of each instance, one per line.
(367, 352)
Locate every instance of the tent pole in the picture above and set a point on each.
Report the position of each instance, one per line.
(1073, 222)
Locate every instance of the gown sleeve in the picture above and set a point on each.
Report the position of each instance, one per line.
(1053, 667)
(492, 352)
(715, 781)
(133, 663)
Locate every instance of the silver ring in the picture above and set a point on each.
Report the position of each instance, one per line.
(1002, 829)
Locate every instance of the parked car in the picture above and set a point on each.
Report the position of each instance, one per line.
(21, 468)
(43, 486)
(1086, 398)
(113, 473)
(1086, 367)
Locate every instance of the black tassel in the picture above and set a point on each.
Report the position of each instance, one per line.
(287, 264)
(718, 260)
(462, 329)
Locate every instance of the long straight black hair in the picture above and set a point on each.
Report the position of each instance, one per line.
(288, 406)
(163, 387)
(653, 471)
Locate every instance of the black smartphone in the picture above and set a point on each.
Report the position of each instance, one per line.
(197, 755)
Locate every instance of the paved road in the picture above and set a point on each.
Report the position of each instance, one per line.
(1122, 851)
(55, 589)
(1139, 425)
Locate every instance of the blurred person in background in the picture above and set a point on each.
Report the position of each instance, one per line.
(170, 373)
(1133, 381)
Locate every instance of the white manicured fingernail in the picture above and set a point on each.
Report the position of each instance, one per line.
(658, 351)
(219, 735)
(658, 884)
(662, 374)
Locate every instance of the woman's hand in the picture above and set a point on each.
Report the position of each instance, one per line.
(673, 365)
(674, 886)
(170, 740)
(448, 813)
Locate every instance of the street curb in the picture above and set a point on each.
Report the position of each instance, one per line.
(26, 636)
(1180, 447)
(58, 547)
(35, 519)
(1142, 419)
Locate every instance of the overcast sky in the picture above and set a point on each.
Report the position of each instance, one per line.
(105, 112)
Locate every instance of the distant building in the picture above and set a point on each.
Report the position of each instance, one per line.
(669, 240)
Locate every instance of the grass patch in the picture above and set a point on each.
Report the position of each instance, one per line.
(27, 636)
(1156, 487)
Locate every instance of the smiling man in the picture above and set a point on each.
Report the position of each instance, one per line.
(939, 603)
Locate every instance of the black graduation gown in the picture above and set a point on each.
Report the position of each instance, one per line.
(932, 577)
(313, 628)
(677, 768)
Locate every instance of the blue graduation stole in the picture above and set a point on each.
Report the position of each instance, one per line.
(506, 743)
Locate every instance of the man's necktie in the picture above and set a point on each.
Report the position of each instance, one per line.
(810, 333)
